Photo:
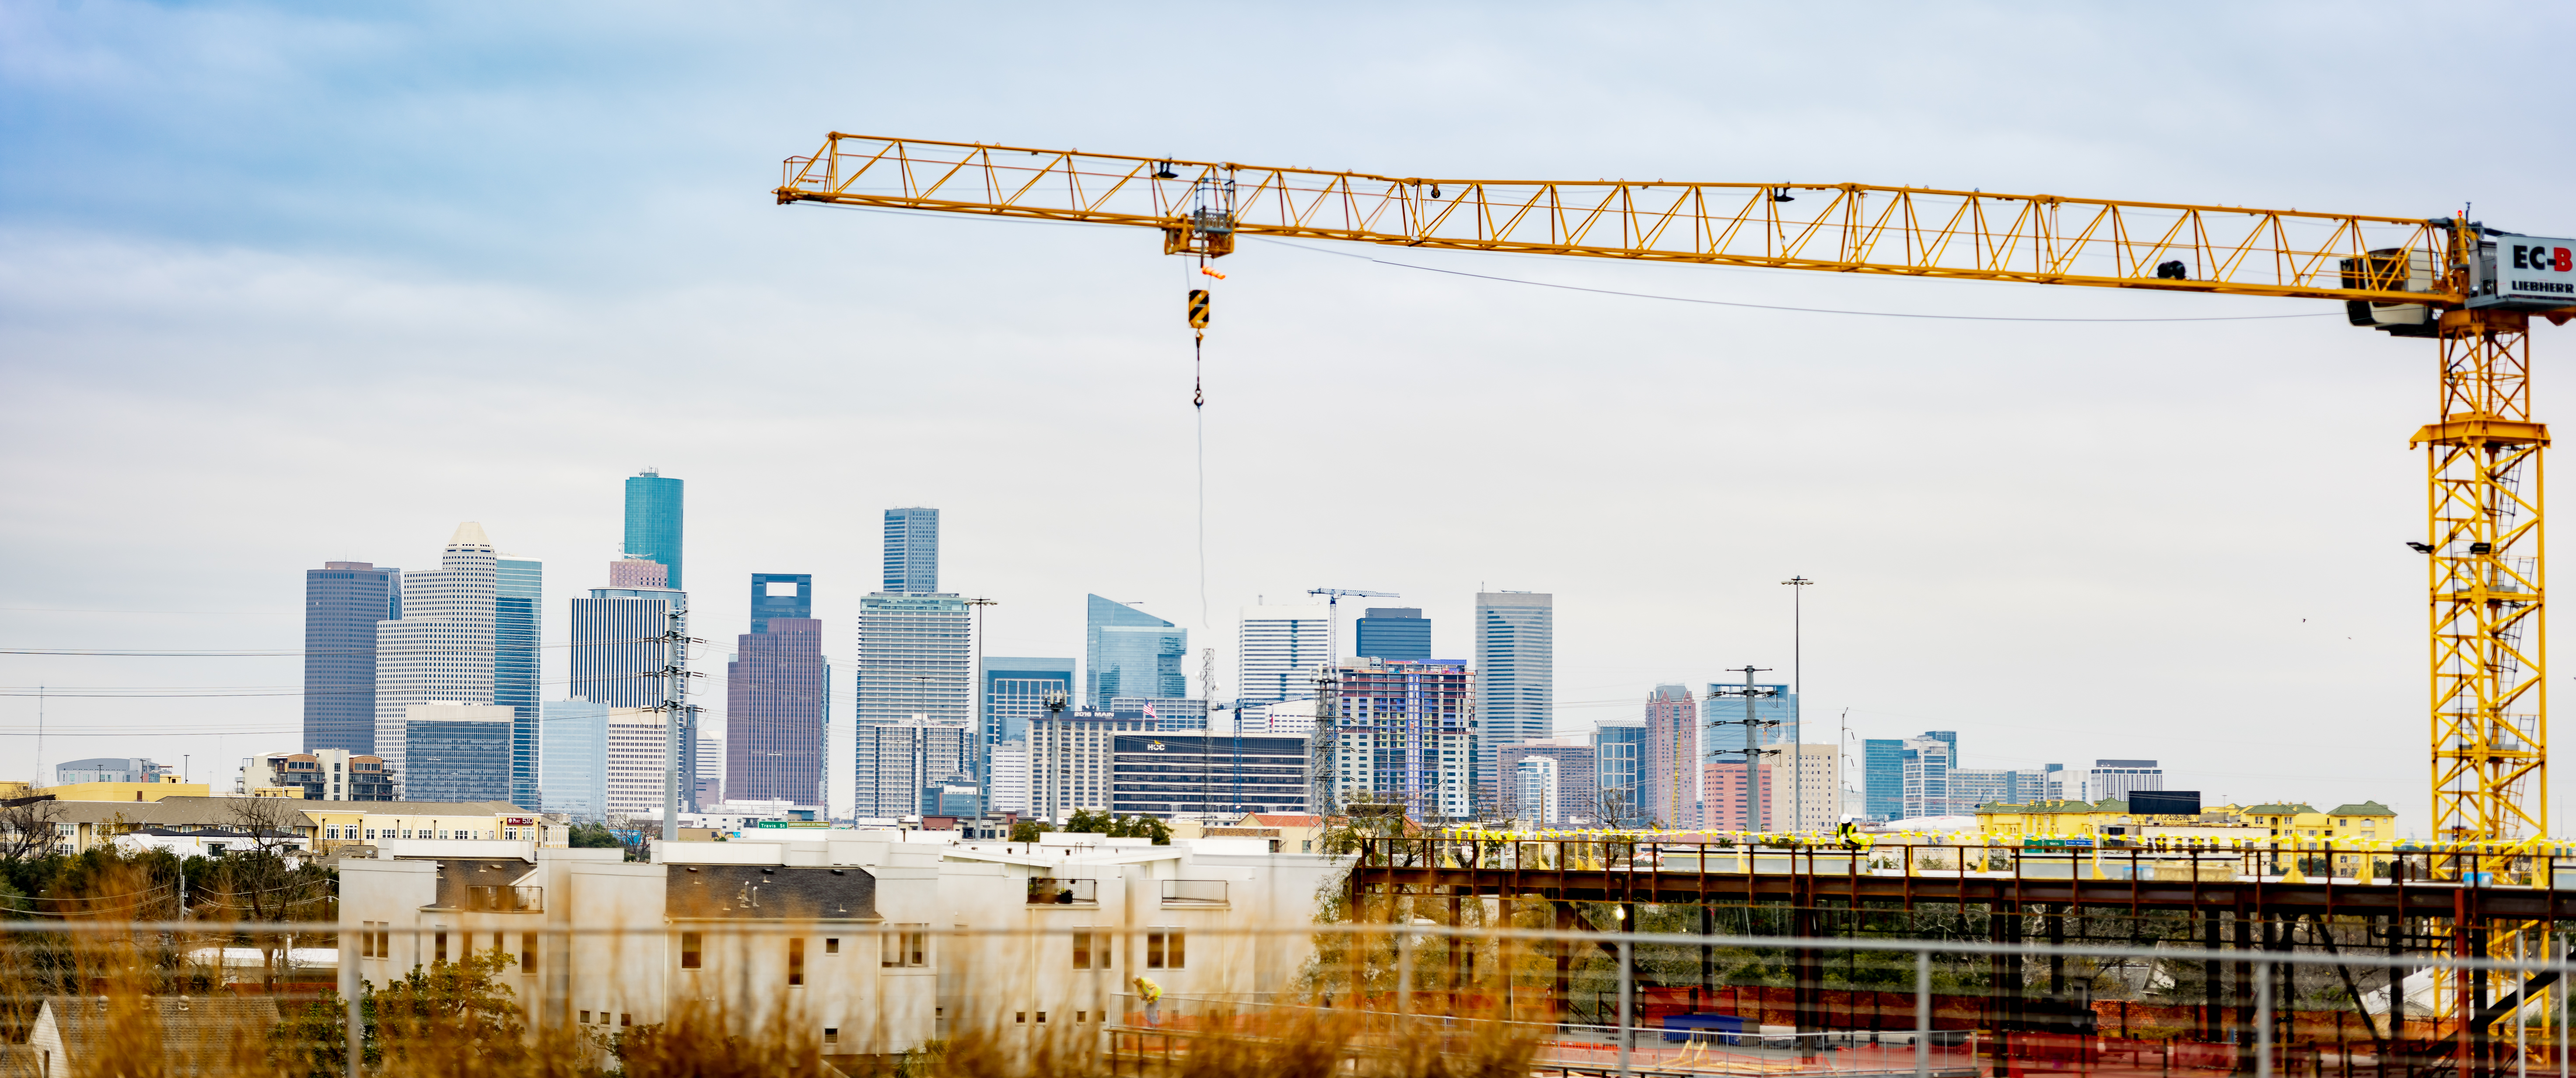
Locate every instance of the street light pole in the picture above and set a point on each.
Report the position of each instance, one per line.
(1797, 701)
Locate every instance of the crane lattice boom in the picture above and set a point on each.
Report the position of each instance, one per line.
(1201, 206)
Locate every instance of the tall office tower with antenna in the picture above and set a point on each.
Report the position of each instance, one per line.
(912, 551)
(653, 522)
(1128, 652)
(1277, 649)
(343, 601)
(518, 622)
(1515, 676)
(442, 650)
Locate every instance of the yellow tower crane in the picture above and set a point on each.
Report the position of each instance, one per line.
(2471, 289)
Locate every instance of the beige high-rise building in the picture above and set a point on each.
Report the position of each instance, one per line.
(442, 650)
(1809, 793)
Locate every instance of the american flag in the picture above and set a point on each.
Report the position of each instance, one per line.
(1149, 709)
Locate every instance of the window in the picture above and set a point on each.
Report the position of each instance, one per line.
(367, 940)
(1021, 1017)
(1165, 950)
(1082, 950)
(528, 951)
(832, 946)
(371, 832)
(831, 1036)
(442, 947)
(1041, 1017)
(908, 945)
(691, 949)
(385, 941)
(795, 961)
(625, 1019)
(585, 1018)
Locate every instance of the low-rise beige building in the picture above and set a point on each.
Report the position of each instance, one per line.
(871, 942)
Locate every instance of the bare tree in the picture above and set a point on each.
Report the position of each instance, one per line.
(270, 878)
(27, 829)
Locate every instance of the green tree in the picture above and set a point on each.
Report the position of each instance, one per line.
(1029, 830)
(1088, 822)
(436, 1010)
(594, 836)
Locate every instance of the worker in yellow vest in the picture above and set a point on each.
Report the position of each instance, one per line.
(1152, 994)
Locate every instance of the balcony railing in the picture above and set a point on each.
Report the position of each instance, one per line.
(1052, 892)
(502, 898)
(1193, 890)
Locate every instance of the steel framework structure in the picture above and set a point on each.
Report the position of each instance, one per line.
(2489, 726)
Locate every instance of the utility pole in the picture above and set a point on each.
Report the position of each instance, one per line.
(1797, 702)
(985, 735)
(674, 650)
(1753, 751)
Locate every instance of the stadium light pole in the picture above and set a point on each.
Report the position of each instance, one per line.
(1798, 701)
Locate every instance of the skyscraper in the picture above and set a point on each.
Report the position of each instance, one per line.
(774, 713)
(1277, 649)
(1619, 754)
(343, 601)
(653, 519)
(780, 595)
(916, 657)
(1882, 777)
(1515, 674)
(456, 752)
(912, 551)
(615, 657)
(1128, 652)
(2111, 780)
(1927, 762)
(1573, 794)
(572, 775)
(898, 759)
(1405, 733)
(517, 624)
(1394, 632)
(1015, 693)
(441, 651)
(1673, 758)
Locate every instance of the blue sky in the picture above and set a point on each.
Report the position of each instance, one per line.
(294, 283)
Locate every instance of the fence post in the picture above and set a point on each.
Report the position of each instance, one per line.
(1404, 977)
(1626, 962)
(2263, 1020)
(357, 1029)
(1922, 1014)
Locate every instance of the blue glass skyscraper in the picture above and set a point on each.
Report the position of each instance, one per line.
(1619, 770)
(1394, 632)
(1882, 778)
(516, 626)
(912, 551)
(653, 521)
(1015, 694)
(1128, 652)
